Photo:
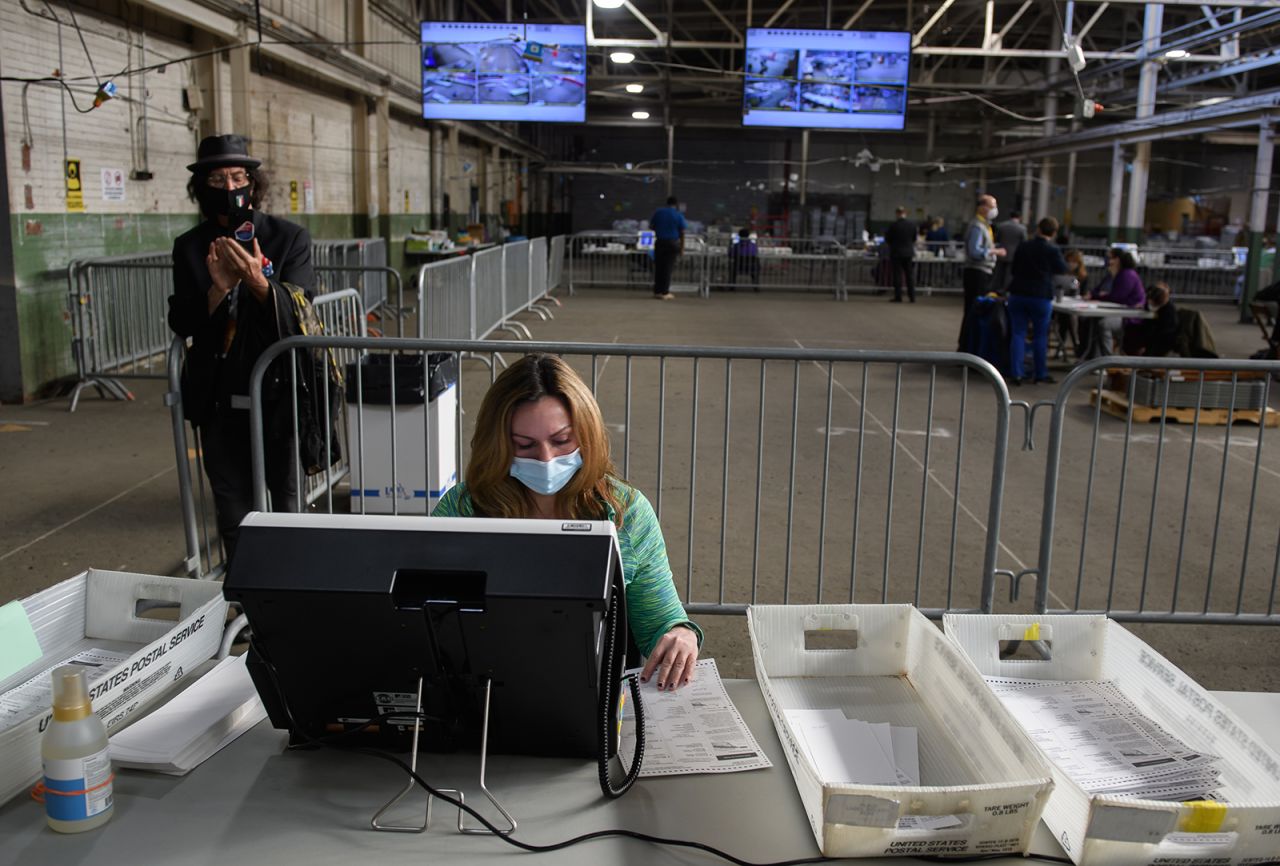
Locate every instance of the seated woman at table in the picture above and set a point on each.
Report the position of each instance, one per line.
(540, 450)
(1154, 337)
(1125, 288)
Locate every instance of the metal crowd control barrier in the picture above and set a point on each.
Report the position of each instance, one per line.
(331, 258)
(119, 308)
(470, 297)
(779, 475)
(1154, 541)
(1190, 272)
(342, 314)
(778, 263)
(119, 321)
(610, 259)
(556, 253)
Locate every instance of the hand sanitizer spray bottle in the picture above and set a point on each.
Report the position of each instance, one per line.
(77, 768)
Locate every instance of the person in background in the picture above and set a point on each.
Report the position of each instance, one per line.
(980, 255)
(1035, 265)
(901, 238)
(1009, 234)
(744, 259)
(1154, 337)
(1125, 288)
(541, 451)
(1072, 284)
(228, 298)
(937, 237)
(668, 226)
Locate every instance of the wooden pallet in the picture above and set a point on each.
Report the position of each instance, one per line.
(1117, 404)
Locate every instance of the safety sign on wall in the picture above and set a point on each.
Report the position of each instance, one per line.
(112, 184)
(293, 196)
(75, 189)
(309, 196)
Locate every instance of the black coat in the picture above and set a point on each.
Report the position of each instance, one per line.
(901, 238)
(210, 380)
(1035, 264)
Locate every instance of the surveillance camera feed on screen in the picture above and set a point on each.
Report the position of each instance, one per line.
(499, 71)
(830, 79)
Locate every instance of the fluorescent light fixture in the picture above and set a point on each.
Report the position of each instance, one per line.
(1214, 100)
(622, 57)
(635, 88)
(608, 4)
(1177, 54)
(640, 115)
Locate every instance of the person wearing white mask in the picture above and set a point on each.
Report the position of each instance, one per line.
(540, 450)
(980, 254)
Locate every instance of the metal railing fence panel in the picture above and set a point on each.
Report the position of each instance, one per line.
(538, 276)
(809, 264)
(556, 254)
(779, 475)
(445, 299)
(488, 285)
(1172, 499)
(118, 307)
(203, 555)
(515, 278)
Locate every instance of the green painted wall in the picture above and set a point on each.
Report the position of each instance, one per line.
(43, 245)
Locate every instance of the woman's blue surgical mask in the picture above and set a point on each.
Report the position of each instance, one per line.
(546, 477)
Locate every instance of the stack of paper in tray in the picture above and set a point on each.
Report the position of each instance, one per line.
(186, 731)
(1100, 739)
(847, 750)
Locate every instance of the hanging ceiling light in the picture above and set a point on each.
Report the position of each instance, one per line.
(640, 115)
(622, 57)
(635, 88)
(608, 4)
(1177, 54)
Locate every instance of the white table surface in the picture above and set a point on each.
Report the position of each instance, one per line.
(1099, 309)
(254, 803)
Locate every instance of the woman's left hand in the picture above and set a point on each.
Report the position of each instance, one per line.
(673, 657)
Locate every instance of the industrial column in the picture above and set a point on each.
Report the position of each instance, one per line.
(1116, 197)
(1261, 195)
(1135, 215)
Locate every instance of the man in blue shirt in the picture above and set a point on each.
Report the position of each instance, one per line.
(668, 230)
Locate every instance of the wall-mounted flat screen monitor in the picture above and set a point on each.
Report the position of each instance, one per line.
(826, 79)
(499, 71)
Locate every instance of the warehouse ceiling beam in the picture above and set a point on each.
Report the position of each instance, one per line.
(928, 25)
(1179, 123)
(776, 15)
(737, 34)
(853, 19)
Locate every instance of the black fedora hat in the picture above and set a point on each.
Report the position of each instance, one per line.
(217, 151)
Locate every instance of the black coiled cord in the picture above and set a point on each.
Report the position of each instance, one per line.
(614, 779)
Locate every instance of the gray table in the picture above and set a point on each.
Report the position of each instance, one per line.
(254, 803)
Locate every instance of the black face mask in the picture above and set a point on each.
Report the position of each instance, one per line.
(234, 204)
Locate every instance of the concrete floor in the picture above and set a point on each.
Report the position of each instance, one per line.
(98, 488)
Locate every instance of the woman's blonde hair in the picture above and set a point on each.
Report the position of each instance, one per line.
(494, 493)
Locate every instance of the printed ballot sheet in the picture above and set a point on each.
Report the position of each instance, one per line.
(36, 694)
(695, 729)
(1099, 738)
(851, 751)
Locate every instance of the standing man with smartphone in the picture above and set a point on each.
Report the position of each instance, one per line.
(668, 230)
(229, 300)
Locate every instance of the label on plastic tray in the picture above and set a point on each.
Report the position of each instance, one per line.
(859, 810)
(1130, 824)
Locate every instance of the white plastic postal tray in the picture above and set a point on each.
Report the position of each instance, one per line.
(1101, 830)
(97, 611)
(983, 781)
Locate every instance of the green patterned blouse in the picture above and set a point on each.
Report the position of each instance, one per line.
(653, 608)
